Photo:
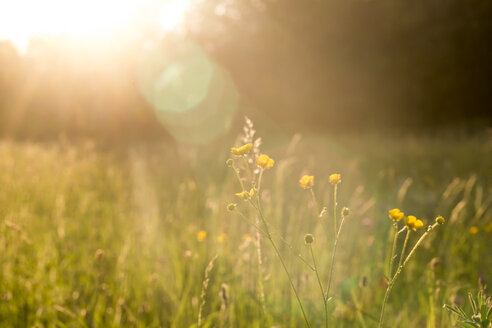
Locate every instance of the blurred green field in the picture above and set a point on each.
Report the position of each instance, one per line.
(97, 236)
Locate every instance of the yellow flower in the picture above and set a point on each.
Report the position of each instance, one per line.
(335, 179)
(413, 223)
(244, 195)
(222, 238)
(264, 161)
(201, 235)
(473, 230)
(440, 220)
(396, 215)
(243, 150)
(307, 181)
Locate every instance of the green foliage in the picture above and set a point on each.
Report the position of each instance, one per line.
(91, 237)
(481, 314)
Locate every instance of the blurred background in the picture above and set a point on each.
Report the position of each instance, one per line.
(137, 69)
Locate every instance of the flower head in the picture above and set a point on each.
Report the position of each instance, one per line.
(473, 230)
(413, 223)
(440, 220)
(243, 150)
(264, 161)
(395, 214)
(307, 181)
(335, 179)
(222, 238)
(201, 235)
(308, 239)
(245, 195)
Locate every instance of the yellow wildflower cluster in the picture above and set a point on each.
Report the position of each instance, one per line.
(335, 179)
(396, 215)
(243, 150)
(413, 223)
(264, 162)
(307, 181)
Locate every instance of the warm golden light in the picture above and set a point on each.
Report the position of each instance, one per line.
(88, 19)
(173, 13)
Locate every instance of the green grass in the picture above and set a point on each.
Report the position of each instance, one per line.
(91, 237)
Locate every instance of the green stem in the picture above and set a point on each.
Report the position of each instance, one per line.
(403, 249)
(400, 268)
(274, 245)
(333, 257)
(335, 208)
(393, 251)
(320, 285)
(315, 201)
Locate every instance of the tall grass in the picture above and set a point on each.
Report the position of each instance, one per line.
(91, 237)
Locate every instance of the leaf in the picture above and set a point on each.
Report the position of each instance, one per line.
(467, 325)
(455, 310)
(473, 303)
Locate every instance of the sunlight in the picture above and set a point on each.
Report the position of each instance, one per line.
(173, 14)
(22, 20)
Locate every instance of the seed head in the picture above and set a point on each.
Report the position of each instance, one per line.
(308, 239)
(440, 220)
(229, 162)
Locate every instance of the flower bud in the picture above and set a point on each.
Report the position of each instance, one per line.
(345, 211)
(229, 162)
(231, 207)
(308, 239)
(440, 220)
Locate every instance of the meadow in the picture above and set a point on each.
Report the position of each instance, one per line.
(121, 236)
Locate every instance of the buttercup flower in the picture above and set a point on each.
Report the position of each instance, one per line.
(395, 214)
(264, 161)
(243, 150)
(335, 179)
(473, 230)
(245, 195)
(201, 235)
(440, 220)
(307, 181)
(222, 238)
(413, 223)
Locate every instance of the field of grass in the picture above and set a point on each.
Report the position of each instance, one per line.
(92, 236)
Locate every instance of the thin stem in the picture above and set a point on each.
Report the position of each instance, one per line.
(403, 249)
(320, 285)
(335, 208)
(276, 233)
(260, 272)
(421, 239)
(274, 245)
(333, 256)
(236, 171)
(400, 269)
(393, 251)
(315, 201)
(250, 174)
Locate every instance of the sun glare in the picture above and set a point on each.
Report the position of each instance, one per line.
(89, 19)
(173, 13)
